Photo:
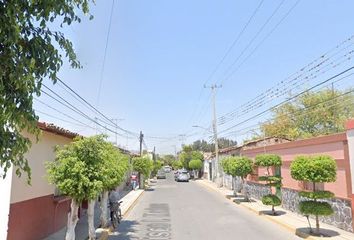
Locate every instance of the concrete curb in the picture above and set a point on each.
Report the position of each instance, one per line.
(286, 226)
(132, 205)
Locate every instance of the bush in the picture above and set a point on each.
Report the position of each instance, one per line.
(240, 166)
(317, 194)
(315, 208)
(314, 169)
(271, 200)
(268, 160)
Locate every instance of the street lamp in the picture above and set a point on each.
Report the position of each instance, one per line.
(216, 150)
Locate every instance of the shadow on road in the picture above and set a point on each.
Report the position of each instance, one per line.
(125, 231)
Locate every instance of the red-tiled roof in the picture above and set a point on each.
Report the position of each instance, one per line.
(49, 127)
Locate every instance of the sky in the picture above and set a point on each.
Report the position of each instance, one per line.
(160, 54)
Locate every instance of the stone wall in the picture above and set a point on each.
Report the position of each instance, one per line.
(342, 217)
(256, 190)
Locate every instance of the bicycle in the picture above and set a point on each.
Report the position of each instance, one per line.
(116, 214)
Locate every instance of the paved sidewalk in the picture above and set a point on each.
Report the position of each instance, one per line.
(291, 221)
(129, 198)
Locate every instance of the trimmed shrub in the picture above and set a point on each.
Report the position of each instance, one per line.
(315, 169)
(268, 161)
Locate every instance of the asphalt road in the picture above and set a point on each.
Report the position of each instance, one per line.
(188, 211)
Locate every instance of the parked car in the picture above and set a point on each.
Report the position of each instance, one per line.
(183, 176)
(161, 174)
(177, 172)
(167, 169)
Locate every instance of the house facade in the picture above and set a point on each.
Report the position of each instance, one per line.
(340, 146)
(37, 210)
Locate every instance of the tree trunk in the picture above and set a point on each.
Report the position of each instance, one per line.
(103, 205)
(90, 219)
(141, 181)
(273, 210)
(317, 225)
(73, 218)
(244, 191)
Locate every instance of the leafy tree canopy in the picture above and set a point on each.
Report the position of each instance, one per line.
(268, 160)
(142, 165)
(195, 164)
(177, 164)
(30, 50)
(319, 169)
(312, 114)
(115, 166)
(204, 146)
(168, 159)
(80, 168)
(238, 166)
(188, 154)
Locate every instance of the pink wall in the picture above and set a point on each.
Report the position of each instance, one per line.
(333, 145)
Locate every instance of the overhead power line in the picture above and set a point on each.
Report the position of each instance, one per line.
(105, 53)
(95, 109)
(291, 98)
(256, 35)
(299, 112)
(239, 35)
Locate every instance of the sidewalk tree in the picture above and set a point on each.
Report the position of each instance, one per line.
(270, 161)
(177, 164)
(195, 165)
(31, 50)
(188, 154)
(157, 165)
(78, 172)
(143, 165)
(168, 159)
(315, 169)
(238, 167)
(114, 172)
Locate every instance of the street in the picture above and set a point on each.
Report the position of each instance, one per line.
(183, 211)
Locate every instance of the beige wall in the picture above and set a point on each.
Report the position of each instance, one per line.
(39, 153)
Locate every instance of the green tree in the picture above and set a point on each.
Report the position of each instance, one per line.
(157, 165)
(204, 146)
(30, 50)
(312, 114)
(188, 154)
(238, 167)
(196, 165)
(78, 173)
(144, 166)
(177, 164)
(315, 169)
(270, 161)
(114, 172)
(168, 159)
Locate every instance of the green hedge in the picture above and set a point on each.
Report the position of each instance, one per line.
(315, 208)
(271, 200)
(268, 160)
(317, 194)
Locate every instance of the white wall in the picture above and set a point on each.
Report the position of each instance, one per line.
(37, 156)
(5, 190)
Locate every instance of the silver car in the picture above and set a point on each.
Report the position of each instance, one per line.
(183, 177)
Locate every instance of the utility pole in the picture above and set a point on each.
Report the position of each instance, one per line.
(141, 138)
(154, 155)
(215, 131)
